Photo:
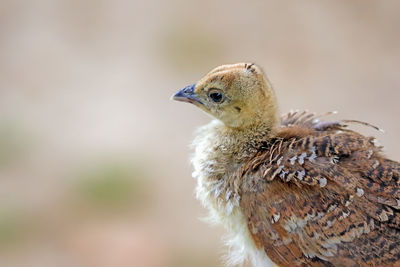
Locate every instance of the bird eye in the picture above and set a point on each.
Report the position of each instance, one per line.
(216, 96)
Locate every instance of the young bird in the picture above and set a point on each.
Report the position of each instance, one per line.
(295, 190)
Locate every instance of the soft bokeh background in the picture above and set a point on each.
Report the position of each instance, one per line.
(94, 157)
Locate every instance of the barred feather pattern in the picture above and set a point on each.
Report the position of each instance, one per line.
(319, 194)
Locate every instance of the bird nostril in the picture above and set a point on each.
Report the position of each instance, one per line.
(189, 89)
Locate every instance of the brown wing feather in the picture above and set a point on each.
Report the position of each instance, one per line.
(323, 197)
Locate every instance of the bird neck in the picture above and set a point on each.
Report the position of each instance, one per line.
(248, 138)
(261, 114)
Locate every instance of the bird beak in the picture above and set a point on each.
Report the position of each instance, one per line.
(187, 94)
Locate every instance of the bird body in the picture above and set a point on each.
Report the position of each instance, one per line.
(294, 191)
(215, 160)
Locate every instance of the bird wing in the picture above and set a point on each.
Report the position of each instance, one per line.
(323, 197)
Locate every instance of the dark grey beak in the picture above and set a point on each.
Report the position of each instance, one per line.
(187, 94)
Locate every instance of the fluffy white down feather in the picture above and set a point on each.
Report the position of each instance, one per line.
(239, 241)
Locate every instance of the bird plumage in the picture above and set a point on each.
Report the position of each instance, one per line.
(328, 196)
(296, 191)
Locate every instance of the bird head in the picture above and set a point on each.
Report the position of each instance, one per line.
(239, 95)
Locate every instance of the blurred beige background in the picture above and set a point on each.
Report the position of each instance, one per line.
(94, 157)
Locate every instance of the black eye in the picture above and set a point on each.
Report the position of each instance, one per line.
(216, 96)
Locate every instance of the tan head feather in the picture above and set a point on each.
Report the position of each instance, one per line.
(239, 95)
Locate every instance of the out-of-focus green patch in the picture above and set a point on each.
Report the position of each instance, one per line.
(113, 186)
(12, 228)
(13, 143)
(189, 47)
